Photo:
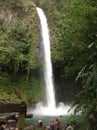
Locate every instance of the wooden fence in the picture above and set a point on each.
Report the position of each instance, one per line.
(20, 108)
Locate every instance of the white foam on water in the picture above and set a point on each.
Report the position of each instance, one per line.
(61, 109)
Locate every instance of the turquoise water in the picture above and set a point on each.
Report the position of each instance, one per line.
(45, 119)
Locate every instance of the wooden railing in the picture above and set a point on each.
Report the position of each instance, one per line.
(20, 108)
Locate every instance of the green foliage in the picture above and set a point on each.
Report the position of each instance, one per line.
(71, 47)
(14, 5)
(88, 96)
(17, 89)
(17, 40)
(74, 50)
(79, 122)
(18, 37)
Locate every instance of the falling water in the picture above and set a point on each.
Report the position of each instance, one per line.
(50, 108)
(47, 66)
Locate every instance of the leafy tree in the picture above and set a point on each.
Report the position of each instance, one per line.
(70, 47)
(17, 39)
(88, 96)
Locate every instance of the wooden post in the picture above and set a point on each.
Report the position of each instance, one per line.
(21, 120)
(22, 114)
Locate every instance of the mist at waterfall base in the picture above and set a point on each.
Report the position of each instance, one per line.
(42, 110)
(50, 108)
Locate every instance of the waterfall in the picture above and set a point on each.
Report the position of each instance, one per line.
(47, 66)
(50, 107)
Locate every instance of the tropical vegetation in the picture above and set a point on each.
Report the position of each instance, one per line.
(73, 29)
(74, 51)
(18, 38)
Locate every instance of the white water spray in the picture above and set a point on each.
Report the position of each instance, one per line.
(50, 108)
